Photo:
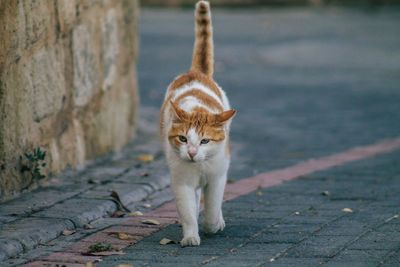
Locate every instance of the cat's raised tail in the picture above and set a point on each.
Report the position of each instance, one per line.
(203, 51)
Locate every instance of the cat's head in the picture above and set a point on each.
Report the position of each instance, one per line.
(199, 135)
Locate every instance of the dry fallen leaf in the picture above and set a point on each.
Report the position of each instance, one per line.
(117, 199)
(347, 210)
(145, 158)
(259, 193)
(135, 213)
(124, 236)
(166, 241)
(68, 232)
(89, 264)
(47, 244)
(152, 222)
(88, 226)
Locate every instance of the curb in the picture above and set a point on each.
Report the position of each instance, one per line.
(26, 233)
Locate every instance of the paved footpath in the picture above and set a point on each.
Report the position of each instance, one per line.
(315, 151)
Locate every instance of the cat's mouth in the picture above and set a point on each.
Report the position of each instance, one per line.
(193, 160)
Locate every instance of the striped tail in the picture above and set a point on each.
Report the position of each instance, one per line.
(203, 52)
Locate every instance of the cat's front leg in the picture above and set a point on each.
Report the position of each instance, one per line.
(213, 195)
(185, 199)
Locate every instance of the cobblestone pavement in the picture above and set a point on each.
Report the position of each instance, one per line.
(297, 224)
(307, 83)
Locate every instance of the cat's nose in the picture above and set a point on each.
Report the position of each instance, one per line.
(192, 153)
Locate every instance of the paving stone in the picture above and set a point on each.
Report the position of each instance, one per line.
(36, 200)
(153, 178)
(355, 263)
(354, 255)
(293, 228)
(272, 238)
(103, 174)
(31, 231)
(80, 211)
(283, 261)
(393, 259)
(317, 246)
(7, 219)
(236, 262)
(68, 257)
(9, 247)
(254, 252)
(15, 262)
(128, 193)
(52, 263)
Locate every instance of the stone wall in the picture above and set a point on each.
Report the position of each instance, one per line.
(67, 84)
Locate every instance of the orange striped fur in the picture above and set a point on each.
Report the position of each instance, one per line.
(203, 54)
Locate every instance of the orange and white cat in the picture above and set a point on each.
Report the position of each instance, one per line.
(194, 127)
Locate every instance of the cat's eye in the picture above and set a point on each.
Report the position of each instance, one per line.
(204, 141)
(182, 139)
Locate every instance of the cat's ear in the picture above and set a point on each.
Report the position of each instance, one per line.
(225, 116)
(179, 113)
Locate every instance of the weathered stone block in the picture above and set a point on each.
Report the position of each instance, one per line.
(80, 211)
(86, 74)
(66, 14)
(26, 230)
(36, 20)
(46, 81)
(109, 30)
(9, 247)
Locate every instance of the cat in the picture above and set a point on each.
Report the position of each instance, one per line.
(194, 127)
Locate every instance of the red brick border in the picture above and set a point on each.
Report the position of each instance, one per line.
(167, 214)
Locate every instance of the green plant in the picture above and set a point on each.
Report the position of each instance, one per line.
(36, 161)
(99, 247)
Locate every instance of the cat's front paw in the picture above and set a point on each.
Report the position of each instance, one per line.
(212, 228)
(190, 241)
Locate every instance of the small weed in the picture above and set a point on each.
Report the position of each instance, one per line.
(36, 162)
(100, 247)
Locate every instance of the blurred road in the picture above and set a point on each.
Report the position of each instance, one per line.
(307, 83)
